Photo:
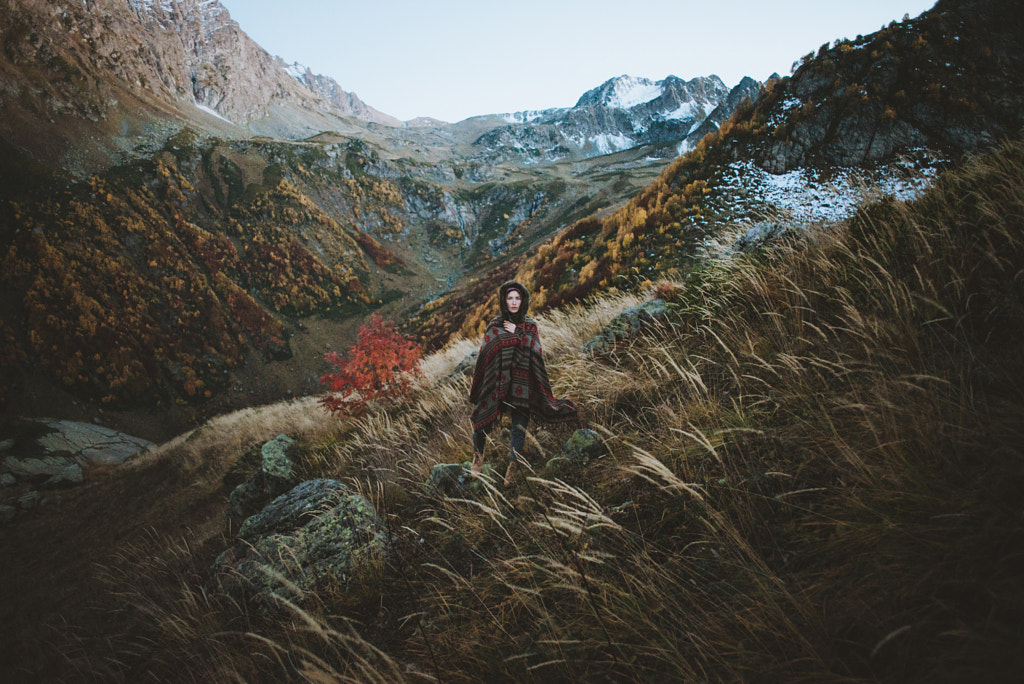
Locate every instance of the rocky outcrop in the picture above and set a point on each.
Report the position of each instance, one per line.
(938, 81)
(329, 89)
(647, 316)
(310, 538)
(275, 476)
(621, 114)
(747, 89)
(56, 454)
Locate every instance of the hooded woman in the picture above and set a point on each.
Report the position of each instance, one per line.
(510, 377)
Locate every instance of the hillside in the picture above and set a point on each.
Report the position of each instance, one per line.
(214, 273)
(187, 224)
(811, 473)
(877, 111)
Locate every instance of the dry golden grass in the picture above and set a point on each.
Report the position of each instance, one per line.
(813, 475)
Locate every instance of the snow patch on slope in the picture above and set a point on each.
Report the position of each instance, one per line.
(805, 198)
(628, 92)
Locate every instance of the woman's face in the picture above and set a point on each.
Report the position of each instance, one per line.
(513, 301)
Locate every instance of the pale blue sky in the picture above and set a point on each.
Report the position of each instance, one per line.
(451, 59)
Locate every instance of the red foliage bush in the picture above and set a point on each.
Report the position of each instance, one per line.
(382, 363)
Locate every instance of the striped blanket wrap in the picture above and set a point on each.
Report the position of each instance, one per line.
(510, 372)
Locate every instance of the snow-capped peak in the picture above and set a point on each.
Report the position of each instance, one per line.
(296, 71)
(626, 92)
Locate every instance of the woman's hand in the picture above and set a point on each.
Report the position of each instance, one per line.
(510, 326)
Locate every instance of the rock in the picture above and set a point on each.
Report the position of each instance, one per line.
(95, 443)
(7, 513)
(464, 368)
(8, 480)
(275, 477)
(629, 323)
(448, 479)
(312, 536)
(759, 235)
(37, 469)
(69, 476)
(54, 452)
(29, 500)
(277, 460)
(584, 445)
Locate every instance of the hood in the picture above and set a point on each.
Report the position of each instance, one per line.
(523, 292)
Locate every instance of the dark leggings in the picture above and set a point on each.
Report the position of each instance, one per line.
(520, 417)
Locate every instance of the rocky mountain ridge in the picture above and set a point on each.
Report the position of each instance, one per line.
(621, 114)
(90, 85)
(876, 114)
(330, 90)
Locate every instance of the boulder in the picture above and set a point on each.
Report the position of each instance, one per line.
(8, 480)
(651, 314)
(307, 539)
(760, 235)
(29, 500)
(582, 446)
(94, 443)
(463, 368)
(277, 461)
(452, 479)
(275, 477)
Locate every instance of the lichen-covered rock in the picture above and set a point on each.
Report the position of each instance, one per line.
(449, 479)
(558, 464)
(629, 323)
(275, 477)
(277, 461)
(308, 538)
(582, 446)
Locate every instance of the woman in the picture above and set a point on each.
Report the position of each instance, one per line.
(510, 376)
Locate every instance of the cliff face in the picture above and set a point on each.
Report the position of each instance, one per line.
(128, 75)
(949, 80)
(329, 89)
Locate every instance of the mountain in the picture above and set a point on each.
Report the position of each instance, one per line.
(186, 221)
(884, 112)
(804, 462)
(948, 80)
(91, 84)
(621, 114)
(328, 89)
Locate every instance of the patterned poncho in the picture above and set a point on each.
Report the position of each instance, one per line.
(510, 372)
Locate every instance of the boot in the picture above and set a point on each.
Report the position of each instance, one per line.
(511, 472)
(478, 463)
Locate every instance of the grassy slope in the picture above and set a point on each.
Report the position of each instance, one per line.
(814, 475)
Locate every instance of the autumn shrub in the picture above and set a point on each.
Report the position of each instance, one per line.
(381, 364)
